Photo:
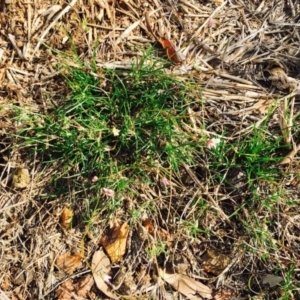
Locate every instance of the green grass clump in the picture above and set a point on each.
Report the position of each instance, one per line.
(246, 169)
(118, 128)
(257, 154)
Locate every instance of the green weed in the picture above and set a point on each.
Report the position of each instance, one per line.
(288, 288)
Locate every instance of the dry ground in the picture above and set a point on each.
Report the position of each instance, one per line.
(244, 55)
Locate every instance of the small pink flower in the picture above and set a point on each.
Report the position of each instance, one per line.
(95, 179)
(108, 192)
(106, 278)
(210, 22)
(212, 143)
(165, 181)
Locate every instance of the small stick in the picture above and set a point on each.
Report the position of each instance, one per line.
(291, 5)
(13, 41)
(126, 33)
(289, 158)
(148, 24)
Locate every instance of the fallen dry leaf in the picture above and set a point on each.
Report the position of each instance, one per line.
(172, 52)
(100, 271)
(215, 262)
(161, 233)
(83, 286)
(147, 223)
(224, 294)
(68, 263)
(115, 242)
(66, 218)
(186, 285)
(64, 290)
(21, 178)
(164, 235)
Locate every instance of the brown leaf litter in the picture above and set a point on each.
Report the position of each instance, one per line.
(69, 290)
(69, 262)
(186, 285)
(66, 217)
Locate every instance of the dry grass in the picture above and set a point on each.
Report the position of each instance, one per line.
(244, 57)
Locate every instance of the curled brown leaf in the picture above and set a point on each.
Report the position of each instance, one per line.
(172, 52)
(65, 290)
(66, 218)
(84, 285)
(186, 285)
(114, 242)
(69, 263)
(100, 270)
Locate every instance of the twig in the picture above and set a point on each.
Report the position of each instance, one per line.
(13, 41)
(126, 33)
(289, 158)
